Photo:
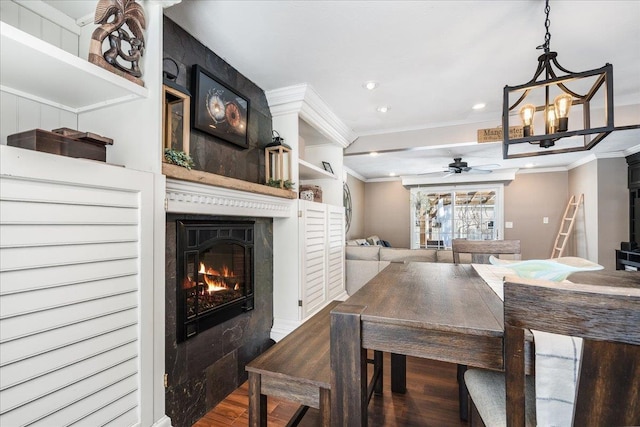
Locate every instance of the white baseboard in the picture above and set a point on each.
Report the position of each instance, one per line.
(162, 422)
(283, 327)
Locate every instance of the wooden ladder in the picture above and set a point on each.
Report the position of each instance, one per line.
(566, 225)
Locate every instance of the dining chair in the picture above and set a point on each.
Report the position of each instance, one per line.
(480, 250)
(608, 376)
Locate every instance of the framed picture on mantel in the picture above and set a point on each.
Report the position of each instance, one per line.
(218, 109)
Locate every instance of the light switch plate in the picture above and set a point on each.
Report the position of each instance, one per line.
(508, 224)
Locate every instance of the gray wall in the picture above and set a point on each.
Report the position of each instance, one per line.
(603, 221)
(601, 224)
(387, 212)
(584, 239)
(530, 198)
(613, 209)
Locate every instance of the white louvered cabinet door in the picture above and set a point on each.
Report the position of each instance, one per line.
(335, 251)
(313, 233)
(76, 253)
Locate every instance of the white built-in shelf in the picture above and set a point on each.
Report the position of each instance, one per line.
(308, 171)
(37, 70)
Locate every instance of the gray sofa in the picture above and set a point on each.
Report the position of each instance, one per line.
(364, 262)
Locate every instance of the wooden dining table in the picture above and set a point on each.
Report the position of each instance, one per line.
(431, 310)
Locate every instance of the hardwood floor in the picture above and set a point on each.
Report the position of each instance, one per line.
(431, 400)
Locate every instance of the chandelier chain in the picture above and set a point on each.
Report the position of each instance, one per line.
(547, 24)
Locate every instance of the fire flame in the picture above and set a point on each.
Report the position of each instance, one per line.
(215, 279)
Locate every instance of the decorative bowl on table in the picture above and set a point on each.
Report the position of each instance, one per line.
(555, 270)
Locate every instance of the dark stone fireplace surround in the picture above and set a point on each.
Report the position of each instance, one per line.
(203, 370)
(206, 368)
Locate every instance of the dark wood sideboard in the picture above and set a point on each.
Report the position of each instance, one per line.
(627, 256)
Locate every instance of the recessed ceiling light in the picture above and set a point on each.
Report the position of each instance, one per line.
(370, 85)
(479, 106)
(529, 165)
(373, 153)
(392, 174)
(383, 109)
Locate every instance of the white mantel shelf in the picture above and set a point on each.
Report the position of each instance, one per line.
(200, 192)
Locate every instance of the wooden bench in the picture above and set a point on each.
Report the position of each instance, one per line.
(298, 369)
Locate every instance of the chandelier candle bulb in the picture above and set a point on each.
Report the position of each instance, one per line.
(562, 105)
(551, 121)
(526, 113)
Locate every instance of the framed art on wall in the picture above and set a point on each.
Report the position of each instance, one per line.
(219, 110)
(327, 167)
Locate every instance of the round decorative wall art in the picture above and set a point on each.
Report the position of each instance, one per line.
(346, 195)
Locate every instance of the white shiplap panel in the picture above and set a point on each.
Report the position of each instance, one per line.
(54, 192)
(49, 235)
(42, 408)
(51, 33)
(28, 114)
(44, 256)
(31, 345)
(69, 42)
(129, 418)
(107, 405)
(37, 278)
(75, 305)
(97, 408)
(32, 301)
(31, 369)
(20, 212)
(43, 321)
(30, 22)
(24, 393)
(10, 13)
(9, 116)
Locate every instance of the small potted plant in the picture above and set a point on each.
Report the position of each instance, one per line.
(278, 183)
(178, 158)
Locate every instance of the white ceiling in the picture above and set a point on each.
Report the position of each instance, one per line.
(433, 61)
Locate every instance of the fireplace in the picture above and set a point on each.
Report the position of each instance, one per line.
(214, 271)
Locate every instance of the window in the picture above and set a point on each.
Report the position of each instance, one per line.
(440, 215)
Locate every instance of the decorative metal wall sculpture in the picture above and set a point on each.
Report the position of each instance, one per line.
(121, 22)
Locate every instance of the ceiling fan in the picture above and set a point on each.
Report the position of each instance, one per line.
(458, 166)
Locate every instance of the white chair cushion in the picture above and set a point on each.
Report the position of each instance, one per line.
(486, 389)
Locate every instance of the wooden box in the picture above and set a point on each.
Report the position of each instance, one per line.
(317, 191)
(55, 143)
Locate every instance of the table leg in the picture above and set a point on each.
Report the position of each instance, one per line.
(398, 373)
(257, 402)
(325, 407)
(348, 368)
(463, 394)
(378, 369)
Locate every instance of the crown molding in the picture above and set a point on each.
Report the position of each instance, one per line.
(632, 150)
(354, 173)
(541, 170)
(502, 175)
(303, 100)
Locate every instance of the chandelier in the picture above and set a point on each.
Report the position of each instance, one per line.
(557, 103)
